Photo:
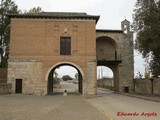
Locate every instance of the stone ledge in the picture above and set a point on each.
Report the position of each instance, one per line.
(32, 60)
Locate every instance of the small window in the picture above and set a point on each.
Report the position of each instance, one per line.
(125, 29)
(65, 46)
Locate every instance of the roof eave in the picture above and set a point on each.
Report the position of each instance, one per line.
(30, 16)
(104, 30)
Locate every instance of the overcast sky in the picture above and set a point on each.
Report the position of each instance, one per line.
(111, 12)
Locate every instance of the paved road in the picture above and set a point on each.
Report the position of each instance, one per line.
(106, 106)
(114, 105)
(56, 107)
(64, 85)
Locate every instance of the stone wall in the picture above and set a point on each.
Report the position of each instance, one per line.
(124, 70)
(91, 80)
(144, 86)
(5, 88)
(141, 86)
(106, 83)
(31, 74)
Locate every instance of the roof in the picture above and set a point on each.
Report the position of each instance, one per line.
(55, 15)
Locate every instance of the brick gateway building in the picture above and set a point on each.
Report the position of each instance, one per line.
(41, 42)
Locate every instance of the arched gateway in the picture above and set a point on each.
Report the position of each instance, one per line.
(41, 42)
(49, 76)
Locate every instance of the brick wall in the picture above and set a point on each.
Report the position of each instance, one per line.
(39, 40)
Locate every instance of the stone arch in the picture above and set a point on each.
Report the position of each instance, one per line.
(110, 36)
(49, 75)
(109, 56)
(107, 48)
(114, 68)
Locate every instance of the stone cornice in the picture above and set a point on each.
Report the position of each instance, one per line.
(109, 31)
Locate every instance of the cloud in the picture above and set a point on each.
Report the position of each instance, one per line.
(74, 3)
(58, 5)
(111, 12)
(138, 63)
(66, 70)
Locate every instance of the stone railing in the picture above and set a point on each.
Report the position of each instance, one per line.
(109, 57)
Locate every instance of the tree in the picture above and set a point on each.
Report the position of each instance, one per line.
(7, 7)
(147, 26)
(139, 75)
(76, 76)
(66, 77)
(155, 63)
(55, 74)
(35, 10)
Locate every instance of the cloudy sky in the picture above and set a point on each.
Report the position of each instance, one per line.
(111, 12)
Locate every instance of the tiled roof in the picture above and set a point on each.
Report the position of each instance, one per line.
(55, 15)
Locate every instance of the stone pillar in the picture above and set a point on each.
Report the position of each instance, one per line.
(91, 78)
(50, 82)
(116, 79)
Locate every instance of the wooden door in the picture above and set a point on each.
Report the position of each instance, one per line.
(18, 86)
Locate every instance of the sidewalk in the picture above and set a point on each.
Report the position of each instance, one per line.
(145, 97)
(111, 104)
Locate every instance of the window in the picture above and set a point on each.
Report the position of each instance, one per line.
(65, 46)
(125, 29)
